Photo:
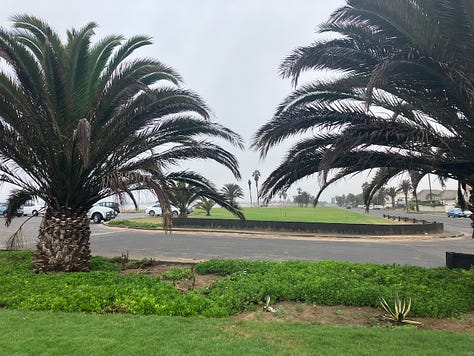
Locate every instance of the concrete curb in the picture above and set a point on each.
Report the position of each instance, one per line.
(299, 235)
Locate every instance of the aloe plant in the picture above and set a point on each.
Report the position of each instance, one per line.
(399, 312)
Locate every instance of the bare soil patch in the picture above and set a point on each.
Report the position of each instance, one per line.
(351, 316)
(158, 268)
(287, 311)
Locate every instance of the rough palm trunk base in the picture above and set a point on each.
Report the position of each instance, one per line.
(63, 243)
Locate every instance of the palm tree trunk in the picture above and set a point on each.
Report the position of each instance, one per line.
(471, 208)
(258, 196)
(63, 243)
(417, 208)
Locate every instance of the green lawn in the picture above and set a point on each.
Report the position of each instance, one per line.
(309, 214)
(317, 214)
(47, 333)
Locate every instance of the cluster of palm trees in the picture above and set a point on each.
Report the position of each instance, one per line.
(82, 121)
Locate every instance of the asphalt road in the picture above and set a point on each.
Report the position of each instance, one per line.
(462, 225)
(192, 246)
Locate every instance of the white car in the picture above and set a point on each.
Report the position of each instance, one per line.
(100, 213)
(34, 209)
(155, 209)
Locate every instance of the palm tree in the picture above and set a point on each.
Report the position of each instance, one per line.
(392, 193)
(381, 196)
(206, 205)
(250, 192)
(232, 191)
(415, 178)
(256, 176)
(404, 100)
(182, 195)
(82, 121)
(405, 187)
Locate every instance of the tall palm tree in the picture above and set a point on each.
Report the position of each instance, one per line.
(415, 178)
(82, 121)
(405, 187)
(256, 177)
(404, 100)
(250, 192)
(232, 191)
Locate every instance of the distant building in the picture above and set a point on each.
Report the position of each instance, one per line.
(445, 197)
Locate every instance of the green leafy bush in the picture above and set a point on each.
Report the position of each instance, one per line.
(227, 267)
(99, 263)
(177, 274)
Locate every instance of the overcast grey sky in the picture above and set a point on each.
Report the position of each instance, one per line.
(227, 51)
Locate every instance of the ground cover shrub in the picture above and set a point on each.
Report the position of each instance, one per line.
(177, 274)
(436, 292)
(103, 290)
(227, 267)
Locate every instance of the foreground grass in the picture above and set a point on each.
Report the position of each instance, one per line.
(36, 333)
(317, 214)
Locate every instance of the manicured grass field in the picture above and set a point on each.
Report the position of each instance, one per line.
(46, 333)
(309, 214)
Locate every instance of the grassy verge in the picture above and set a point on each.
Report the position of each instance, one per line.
(85, 334)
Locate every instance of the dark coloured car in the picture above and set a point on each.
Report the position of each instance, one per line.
(110, 204)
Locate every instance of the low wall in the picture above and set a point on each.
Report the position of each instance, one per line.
(432, 209)
(323, 228)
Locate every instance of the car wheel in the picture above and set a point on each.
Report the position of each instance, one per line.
(175, 213)
(151, 213)
(96, 218)
(5, 213)
(34, 213)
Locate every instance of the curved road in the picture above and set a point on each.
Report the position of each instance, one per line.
(181, 245)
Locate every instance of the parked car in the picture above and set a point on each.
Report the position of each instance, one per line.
(34, 209)
(155, 209)
(110, 204)
(458, 213)
(378, 207)
(4, 208)
(100, 213)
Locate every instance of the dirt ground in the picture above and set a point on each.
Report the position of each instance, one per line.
(312, 314)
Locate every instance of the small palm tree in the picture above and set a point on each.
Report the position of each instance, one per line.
(232, 191)
(405, 187)
(206, 205)
(392, 193)
(182, 195)
(256, 176)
